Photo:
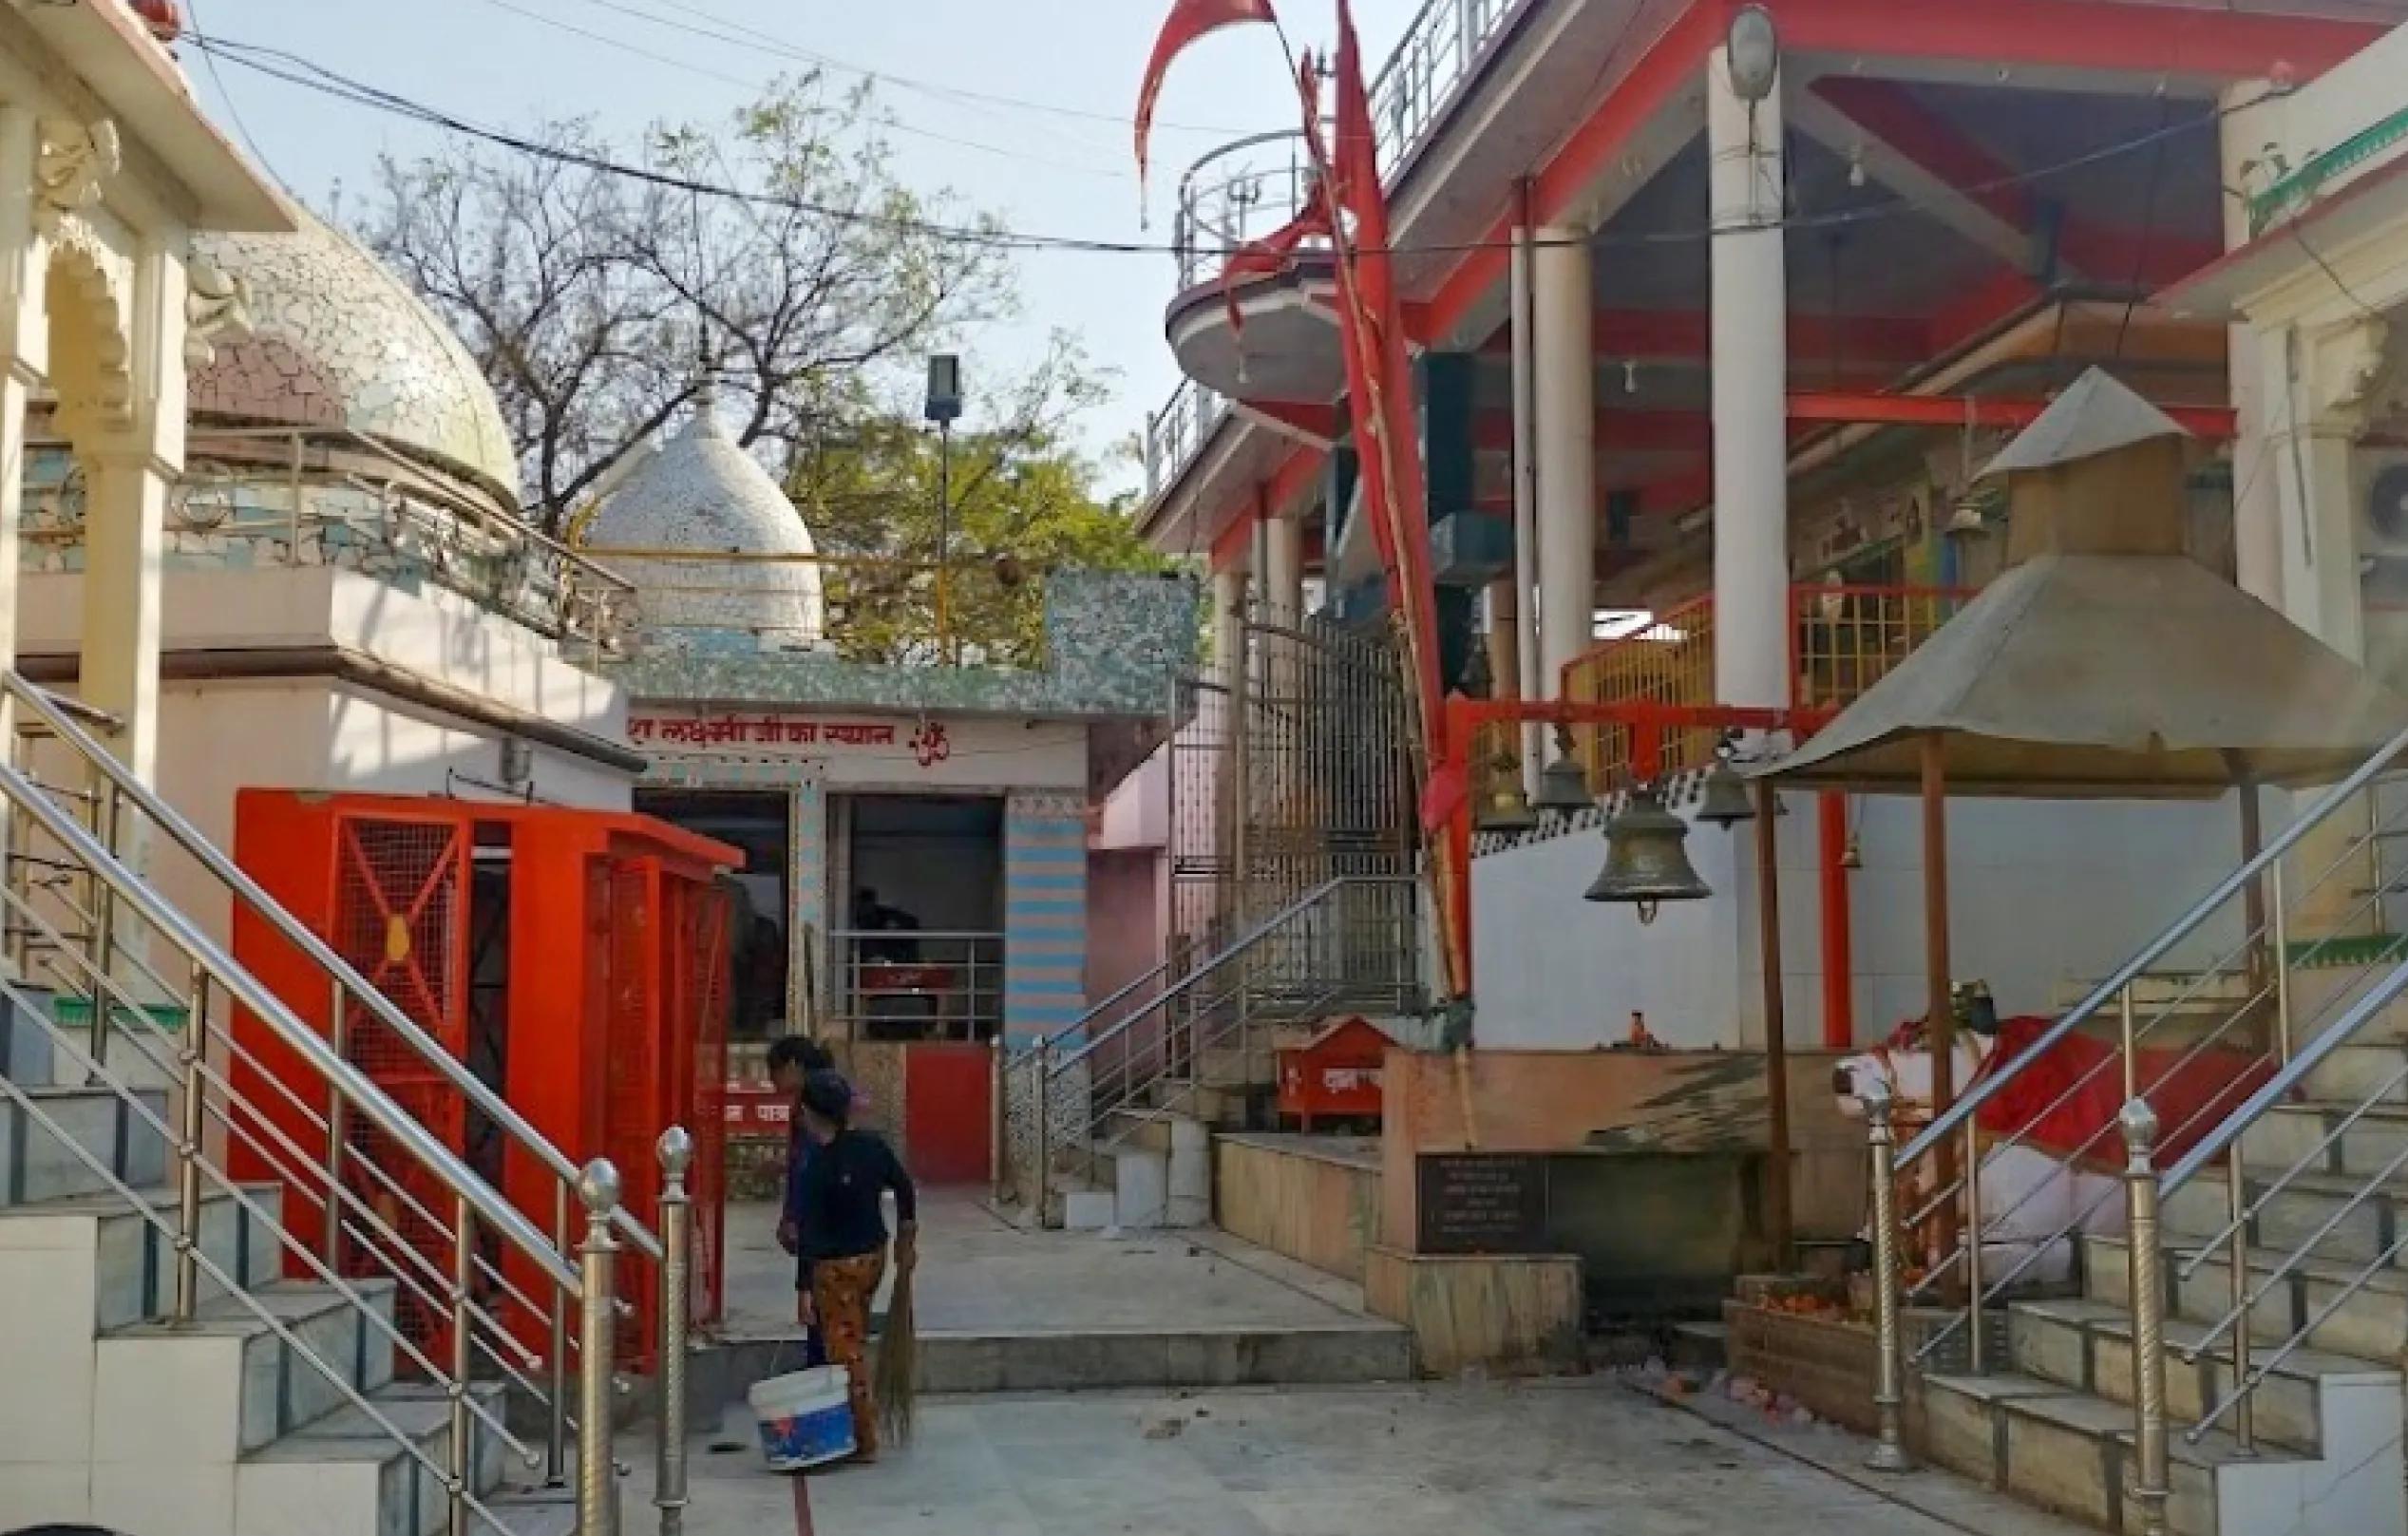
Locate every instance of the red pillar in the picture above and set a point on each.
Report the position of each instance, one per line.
(1839, 944)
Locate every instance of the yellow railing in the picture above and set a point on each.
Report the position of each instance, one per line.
(1669, 661)
(1842, 640)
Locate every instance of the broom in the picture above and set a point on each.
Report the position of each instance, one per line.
(895, 1375)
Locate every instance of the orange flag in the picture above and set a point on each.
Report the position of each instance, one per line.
(1188, 21)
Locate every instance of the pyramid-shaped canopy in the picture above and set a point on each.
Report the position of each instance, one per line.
(2132, 676)
(2098, 413)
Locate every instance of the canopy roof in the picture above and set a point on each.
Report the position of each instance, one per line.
(2121, 677)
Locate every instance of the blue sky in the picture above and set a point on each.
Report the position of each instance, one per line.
(513, 63)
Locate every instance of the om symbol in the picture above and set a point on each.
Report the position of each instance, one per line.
(930, 744)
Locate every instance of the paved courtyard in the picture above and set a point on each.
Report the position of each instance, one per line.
(1591, 1457)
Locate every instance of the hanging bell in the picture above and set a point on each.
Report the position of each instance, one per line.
(1563, 785)
(1508, 808)
(1852, 856)
(1728, 801)
(1644, 861)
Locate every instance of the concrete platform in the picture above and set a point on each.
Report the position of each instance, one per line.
(1536, 1459)
(1006, 1309)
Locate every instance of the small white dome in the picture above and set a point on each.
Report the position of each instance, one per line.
(702, 492)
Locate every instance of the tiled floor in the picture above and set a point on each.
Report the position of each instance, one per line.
(1553, 1459)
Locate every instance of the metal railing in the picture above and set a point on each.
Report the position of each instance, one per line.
(1353, 942)
(259, 497)
(909, 984)
(1240, 192)
(2202, 1052)
(483, 1295)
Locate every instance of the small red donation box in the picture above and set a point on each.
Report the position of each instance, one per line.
(1336, 1073)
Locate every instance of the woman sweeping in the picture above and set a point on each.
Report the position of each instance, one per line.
(841, 1231)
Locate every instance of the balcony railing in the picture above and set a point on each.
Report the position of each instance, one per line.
(1842, 640)
(1246, 190)
(904, 984)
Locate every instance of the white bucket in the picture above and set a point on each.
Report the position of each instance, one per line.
(806, 1418)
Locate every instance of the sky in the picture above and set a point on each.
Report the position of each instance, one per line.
(1059, 165)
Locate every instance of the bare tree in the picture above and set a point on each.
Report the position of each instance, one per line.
(599, 305)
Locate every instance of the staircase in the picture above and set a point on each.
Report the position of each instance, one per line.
(375, 1342)
(1110, 1119)
(2227, 1361)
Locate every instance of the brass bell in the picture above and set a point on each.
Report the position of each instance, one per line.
(1728, 801)
(1644, 861)
(1563, 784)
(1508, 808)
(1852, 856)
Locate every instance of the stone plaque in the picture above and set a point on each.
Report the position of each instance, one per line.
(1482, 1202)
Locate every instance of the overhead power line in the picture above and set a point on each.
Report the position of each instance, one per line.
(305, 73)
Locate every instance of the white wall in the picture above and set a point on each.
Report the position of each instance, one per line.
(217, 738)
(2042, 893)
(982, 752)
(1551, 969)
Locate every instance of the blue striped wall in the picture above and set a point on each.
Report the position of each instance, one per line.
(1044, 914)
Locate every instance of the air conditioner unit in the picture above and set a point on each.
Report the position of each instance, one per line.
(2382, 517)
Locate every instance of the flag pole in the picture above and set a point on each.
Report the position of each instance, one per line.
(1410, 578)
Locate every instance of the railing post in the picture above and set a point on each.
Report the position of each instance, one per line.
(459, 1481)
(999, 1139)
(2146, 1258)
(2281, 922)
(1038, 1178)
(597, 1319)
(676, 1248)
(337, 1132)
(190, 1127)
(1889, 1452)
(1973, 1245)
(106, 812)
(556, 1440)
(2237, 1259)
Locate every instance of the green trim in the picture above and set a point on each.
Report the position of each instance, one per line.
(76, 1014)
(2293, 192)
(2344, 950)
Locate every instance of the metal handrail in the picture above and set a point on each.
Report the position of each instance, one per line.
(321, 1055)
(1238, 947)
(1991, 1082)
(363, 1093)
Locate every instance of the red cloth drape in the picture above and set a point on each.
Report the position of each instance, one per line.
(2191, 1098)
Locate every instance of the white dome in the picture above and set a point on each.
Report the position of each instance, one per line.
(704, 493)
(337, 340)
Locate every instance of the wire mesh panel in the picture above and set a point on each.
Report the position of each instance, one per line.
(401, 919)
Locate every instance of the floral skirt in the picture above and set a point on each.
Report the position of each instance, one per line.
(844, 1288)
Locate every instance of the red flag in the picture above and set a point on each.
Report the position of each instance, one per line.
(1379, 379)
(1188, 21)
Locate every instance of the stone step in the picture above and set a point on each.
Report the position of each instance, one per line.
(2086, 1346)
(228, 1383)
(2369, 1322)
(2071, 1453)
(126, 1263)
(2289, 1132)
(1132, 1359)
(2357, 1071)
(2349, 1218)
(40, 1140)
(345, 1475)
(2320, 994)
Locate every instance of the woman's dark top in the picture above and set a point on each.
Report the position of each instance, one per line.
(837, 1192)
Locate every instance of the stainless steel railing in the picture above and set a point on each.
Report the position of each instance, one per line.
(469, 1271)
(1350, 941)
(917, 984)
(2201, 1042)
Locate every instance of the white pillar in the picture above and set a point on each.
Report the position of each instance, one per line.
(1566, 370)
(1228, 600)
(24, 360)
(1283, 569)
(2242, 134)
(1514, 603)
(1750, 382)
(2310, 457)
(129, 478)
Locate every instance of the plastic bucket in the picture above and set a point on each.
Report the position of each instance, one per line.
(805, 1417)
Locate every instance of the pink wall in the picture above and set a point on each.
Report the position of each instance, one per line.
(1126, 896)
